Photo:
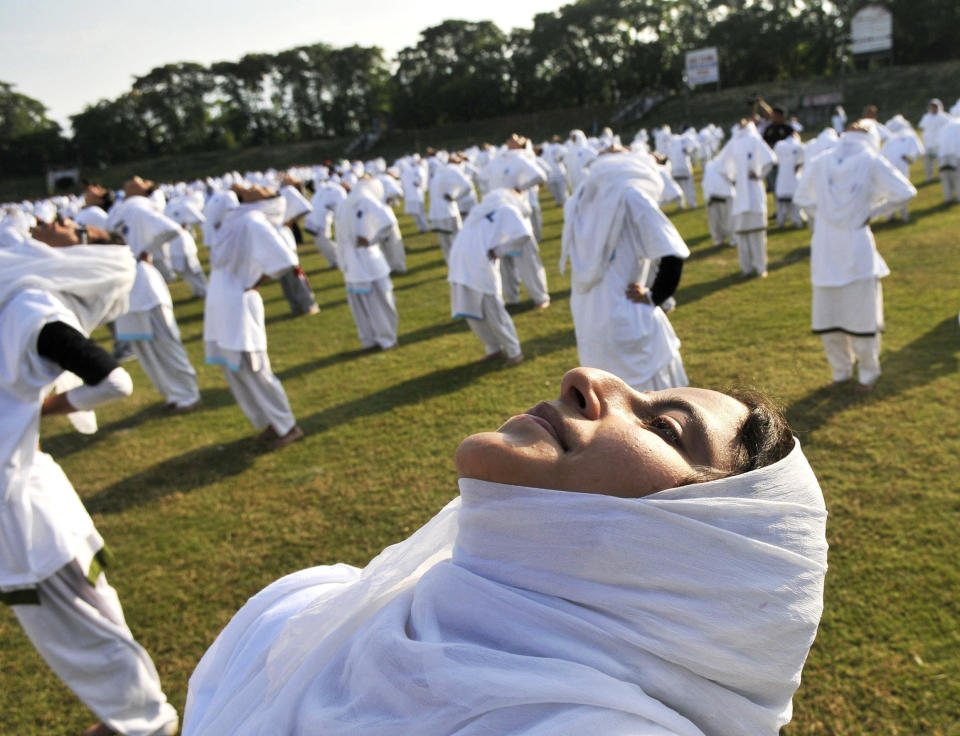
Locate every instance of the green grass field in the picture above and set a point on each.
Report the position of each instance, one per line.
(200, 519)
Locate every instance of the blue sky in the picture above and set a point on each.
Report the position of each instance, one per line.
(70, 53)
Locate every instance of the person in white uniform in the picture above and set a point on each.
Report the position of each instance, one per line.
(577, 158)
(613, 232)
(718, 194)
(948, 160)
(494, 228)
(362, 222)
(747, 159)
(51, 555)
(183, 248)
(414, 180)
(294, 283)
(591, 578)
(246, 250)
(680, 148)
(901, 149)
(319, 222)
(447, 186)
(149, 323)
(846, 188)
(517, 169)
(789, 153)
(930, 124)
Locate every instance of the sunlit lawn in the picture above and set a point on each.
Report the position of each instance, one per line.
(200, 518)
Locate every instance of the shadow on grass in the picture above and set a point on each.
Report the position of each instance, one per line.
(194, 469)
(930, 356)
(213, 463)
(690, 294)
(427, 386)
(67, 443)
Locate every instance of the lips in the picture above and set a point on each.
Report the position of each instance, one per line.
(550, 419)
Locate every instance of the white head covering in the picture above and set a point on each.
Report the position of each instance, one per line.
(519, 609)
(595, 214)
(94, 281)
(296, 204)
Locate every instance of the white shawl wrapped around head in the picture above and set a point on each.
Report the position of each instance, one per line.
(529, 611)
(595, 213)
(93, 281)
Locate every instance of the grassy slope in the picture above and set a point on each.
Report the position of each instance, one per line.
(200, 520)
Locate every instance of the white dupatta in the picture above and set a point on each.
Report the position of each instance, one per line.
(530, 611)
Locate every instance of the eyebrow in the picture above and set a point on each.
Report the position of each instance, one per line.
(699, 425)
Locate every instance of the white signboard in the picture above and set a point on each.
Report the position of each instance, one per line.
(703, 66)
(871, 29)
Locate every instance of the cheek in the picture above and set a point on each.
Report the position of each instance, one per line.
(633, 466)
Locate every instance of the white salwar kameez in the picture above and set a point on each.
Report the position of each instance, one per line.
(515, 169)
(789, 153)
(319, 222)
(149, 324)
(247, 247)
(533, 612)
(613, 229)
(846, 187)
(48, 544)
(718, 194)
(497, 225)
(365, 270)
(448, 185)
(747, 159)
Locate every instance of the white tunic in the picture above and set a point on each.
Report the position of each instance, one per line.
(844, 188)
(247, 248)
(745, 160)
(789, 153)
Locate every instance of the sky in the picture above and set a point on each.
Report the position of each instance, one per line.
(68, 53)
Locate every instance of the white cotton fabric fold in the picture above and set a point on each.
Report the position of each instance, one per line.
(596, 214)
(529, 611)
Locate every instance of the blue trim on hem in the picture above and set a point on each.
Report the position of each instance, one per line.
(354, 290)
(458, 315)
(223, 362)
(133, 336)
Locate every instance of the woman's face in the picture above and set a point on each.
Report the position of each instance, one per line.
(601, 436)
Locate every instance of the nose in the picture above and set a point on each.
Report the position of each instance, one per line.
(592, 391)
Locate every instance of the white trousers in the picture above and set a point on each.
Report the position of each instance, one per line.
(787, 210)
(843, 350)
(536, 221)
(446, 243)
(930, 165)
(79, 630)
(419, 215)
(558, 188)
(327, 248)
(950, 181)
(165, 361)
(689, 192)
(719, 220)
(496, 330)
(375, 314)
(393, 251)
(296, 289)
(752, 251)
(260, 395)
(528, 268)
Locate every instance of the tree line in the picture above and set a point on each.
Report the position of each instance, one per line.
(586, 52)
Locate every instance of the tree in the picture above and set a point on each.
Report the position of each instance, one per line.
(175, 101)
(459, 70)
(29, 140)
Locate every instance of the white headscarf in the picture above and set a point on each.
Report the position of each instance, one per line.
(525, 610)
(595, 214)
(93, 281)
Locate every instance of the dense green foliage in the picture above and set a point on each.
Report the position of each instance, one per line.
(585, 53)
(200, 518)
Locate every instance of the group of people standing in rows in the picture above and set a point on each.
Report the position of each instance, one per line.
(70, 264)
